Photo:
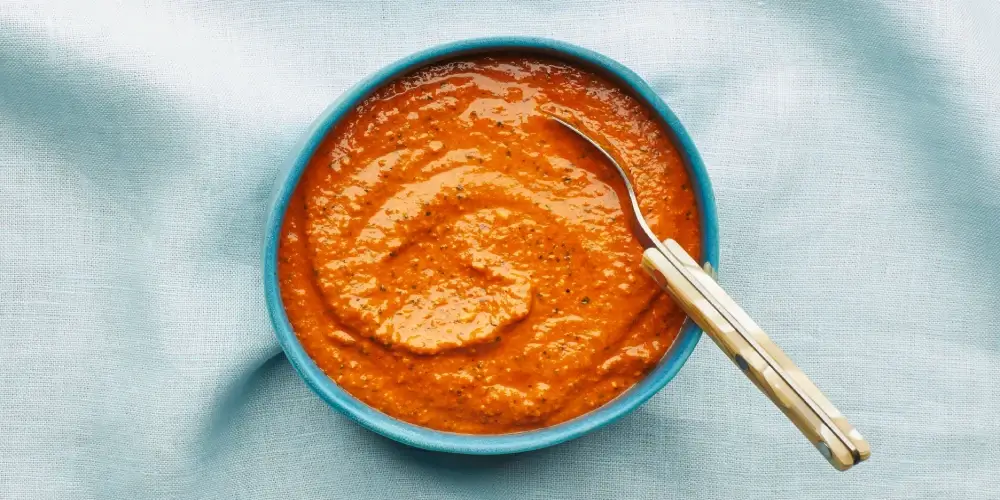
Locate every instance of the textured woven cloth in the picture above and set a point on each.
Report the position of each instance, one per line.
(855, 156)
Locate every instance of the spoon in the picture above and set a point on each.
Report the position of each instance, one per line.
(743, 341)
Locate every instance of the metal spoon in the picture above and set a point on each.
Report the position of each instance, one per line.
(697, 293)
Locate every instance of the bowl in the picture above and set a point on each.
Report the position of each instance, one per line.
(478, 444)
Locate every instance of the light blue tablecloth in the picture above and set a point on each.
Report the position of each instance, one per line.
(854, 151)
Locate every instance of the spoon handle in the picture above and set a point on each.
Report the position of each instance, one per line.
(761, 360)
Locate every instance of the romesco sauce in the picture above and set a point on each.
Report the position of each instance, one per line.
(455, 259)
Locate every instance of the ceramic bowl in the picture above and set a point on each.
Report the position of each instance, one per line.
(431, 439)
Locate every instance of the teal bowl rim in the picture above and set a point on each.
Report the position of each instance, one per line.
(475, 444)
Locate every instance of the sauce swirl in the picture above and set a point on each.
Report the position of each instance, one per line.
(455, 259)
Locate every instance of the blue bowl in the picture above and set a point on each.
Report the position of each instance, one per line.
(431, 439)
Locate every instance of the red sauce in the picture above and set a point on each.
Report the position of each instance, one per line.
(455, 259)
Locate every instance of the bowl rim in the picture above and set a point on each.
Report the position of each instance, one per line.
(476, 444)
